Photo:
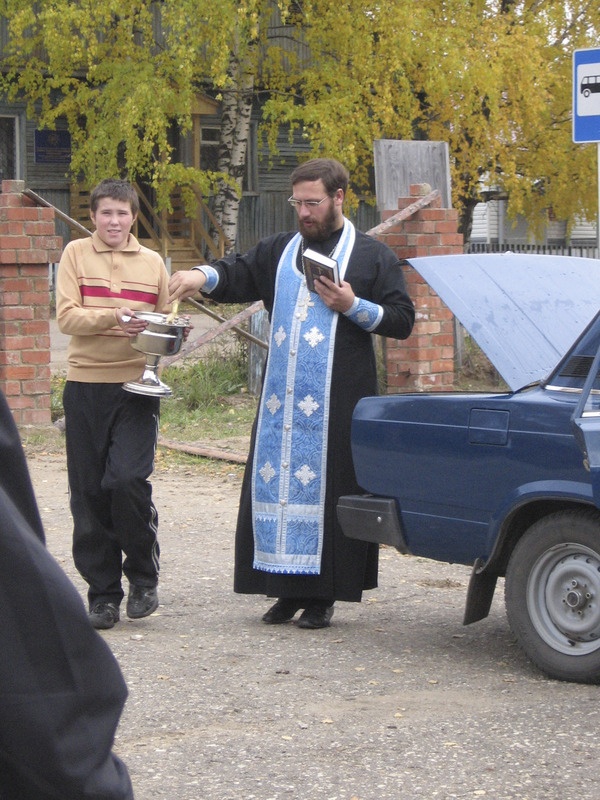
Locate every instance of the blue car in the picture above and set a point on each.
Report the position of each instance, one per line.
(507, 482)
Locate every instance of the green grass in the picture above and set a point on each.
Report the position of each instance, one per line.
(210, 400)
(204, 383)
(57, 384)
(477, 374)
(203, 409)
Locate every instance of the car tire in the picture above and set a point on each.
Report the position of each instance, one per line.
(552, 595)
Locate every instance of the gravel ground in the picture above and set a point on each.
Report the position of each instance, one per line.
(395, 701)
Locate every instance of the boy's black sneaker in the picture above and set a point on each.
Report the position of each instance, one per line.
(104, 615)
(142, 601)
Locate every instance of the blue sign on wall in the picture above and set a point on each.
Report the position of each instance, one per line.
(52, 147)
(586, 95)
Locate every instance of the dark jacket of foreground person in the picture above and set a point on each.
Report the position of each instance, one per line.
(61, 690)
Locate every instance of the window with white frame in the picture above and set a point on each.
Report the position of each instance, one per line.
(209, 148)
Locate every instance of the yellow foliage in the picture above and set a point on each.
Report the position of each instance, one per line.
(491, 78)
(495, 84)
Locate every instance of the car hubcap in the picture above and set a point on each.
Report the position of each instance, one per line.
(563, 597)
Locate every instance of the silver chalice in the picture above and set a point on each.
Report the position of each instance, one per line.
(163, 336)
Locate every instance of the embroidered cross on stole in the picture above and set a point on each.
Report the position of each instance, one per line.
(290, 460)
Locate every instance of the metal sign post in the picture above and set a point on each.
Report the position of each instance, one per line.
(586, 106)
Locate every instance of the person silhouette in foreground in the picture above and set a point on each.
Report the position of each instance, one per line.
(61, 690)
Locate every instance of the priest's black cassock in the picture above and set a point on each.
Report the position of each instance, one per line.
(347, 566)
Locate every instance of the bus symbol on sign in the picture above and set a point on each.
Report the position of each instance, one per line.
(590, 84)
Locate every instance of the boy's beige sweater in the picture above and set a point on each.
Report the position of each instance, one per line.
(94, 280)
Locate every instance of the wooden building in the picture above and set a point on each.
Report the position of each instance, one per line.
(41, 159)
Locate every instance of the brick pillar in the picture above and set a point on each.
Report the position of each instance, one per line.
(28, 243)
(425, 361)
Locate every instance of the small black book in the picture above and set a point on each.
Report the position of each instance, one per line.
(316, 265)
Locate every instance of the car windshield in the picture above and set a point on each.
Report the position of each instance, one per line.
(573, 370)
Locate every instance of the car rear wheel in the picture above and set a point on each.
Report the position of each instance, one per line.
(552, 595)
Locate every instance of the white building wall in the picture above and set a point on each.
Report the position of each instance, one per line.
(485, 222)
(583, 232)
(490, 225)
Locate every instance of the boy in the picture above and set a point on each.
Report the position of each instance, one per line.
(110, 433)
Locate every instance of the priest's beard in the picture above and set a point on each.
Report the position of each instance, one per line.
(320, 231)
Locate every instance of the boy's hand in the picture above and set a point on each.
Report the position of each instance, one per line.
(129, 323)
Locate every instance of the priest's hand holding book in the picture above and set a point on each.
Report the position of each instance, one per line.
(322, 277)
(337, 298)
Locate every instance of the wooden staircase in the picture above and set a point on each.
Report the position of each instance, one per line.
(181, 254)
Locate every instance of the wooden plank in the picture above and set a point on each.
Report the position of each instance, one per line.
(203, 450)
(227, 324)
(406, 213)
(399, 164)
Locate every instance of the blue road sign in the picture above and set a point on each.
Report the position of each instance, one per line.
(586, 95)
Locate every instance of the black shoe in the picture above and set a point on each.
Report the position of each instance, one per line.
(317, 615)
(104, 616)
(283, 611)
(142, 601)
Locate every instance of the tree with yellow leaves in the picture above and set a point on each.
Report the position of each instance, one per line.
(122, 74)
(493, 79)
(490, 77)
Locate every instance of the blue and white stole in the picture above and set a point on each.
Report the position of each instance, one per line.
(290, 458)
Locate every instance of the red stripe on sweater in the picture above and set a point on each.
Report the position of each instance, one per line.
(125, 294)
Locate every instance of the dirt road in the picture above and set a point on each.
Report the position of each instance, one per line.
(395, 701)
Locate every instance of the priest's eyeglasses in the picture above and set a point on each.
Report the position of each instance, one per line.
(308, 203)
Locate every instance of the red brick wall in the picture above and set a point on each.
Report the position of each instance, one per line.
(28, 243)
(425, 361)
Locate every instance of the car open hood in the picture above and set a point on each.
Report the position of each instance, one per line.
(524, 311)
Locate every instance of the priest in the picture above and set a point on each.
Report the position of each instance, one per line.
(321, 361)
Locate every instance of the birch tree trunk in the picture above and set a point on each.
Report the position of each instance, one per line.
(233, 146)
